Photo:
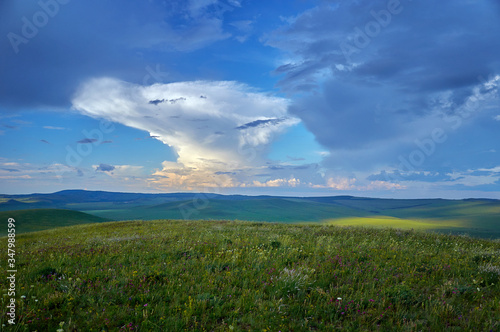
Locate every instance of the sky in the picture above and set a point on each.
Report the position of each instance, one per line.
(372, 98)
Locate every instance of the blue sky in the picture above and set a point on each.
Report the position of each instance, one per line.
(384, 98)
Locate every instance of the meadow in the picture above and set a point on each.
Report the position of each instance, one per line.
(169, 275)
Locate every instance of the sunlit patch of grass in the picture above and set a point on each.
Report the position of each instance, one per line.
(392, 222)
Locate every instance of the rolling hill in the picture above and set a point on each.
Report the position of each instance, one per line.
(476, 217)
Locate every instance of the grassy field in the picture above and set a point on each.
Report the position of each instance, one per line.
(42, 219)
(241, 276)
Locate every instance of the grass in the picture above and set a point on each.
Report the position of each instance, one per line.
(241, 276)
(381, 222)
(42, 219)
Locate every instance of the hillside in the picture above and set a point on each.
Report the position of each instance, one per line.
(476, 217)
(83, 199)
(264, 209)
(241, 276)
(42, 219)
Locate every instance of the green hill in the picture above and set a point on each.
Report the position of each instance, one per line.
(42, 219)
(268, 209)
(242, 276)
(479, 218)
(476, 217)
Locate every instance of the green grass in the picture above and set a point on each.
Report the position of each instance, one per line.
(381, 222)
(242, 276)
(42, 219)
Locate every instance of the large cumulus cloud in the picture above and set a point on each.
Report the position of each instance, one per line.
(220, 130)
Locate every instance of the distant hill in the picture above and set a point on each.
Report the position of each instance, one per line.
(83, 200)
(42, 219)
(477, 217)
(261, 209)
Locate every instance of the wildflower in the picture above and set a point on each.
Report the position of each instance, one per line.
(24, 296)
(339, 298)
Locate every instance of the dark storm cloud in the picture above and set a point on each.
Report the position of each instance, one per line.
(377, 76)
(43, 63)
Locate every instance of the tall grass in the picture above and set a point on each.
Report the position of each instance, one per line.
(241, 276)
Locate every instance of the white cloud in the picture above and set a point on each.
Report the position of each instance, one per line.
(11, 177)
(215, 127)
(470, 180)
(494, 169)
(292, 182)
(382, 185)
(198, 7)
(351, 184)
(497, 117)
(120, 170)
(339, 183)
